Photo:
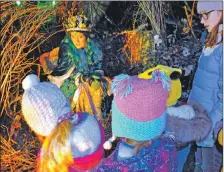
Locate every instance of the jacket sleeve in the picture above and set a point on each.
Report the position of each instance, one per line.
(65, 60)
(216, 112)
(188, 130)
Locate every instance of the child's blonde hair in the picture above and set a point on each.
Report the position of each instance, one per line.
(138, 145)
(56, 153)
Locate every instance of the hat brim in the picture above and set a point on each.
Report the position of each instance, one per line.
(123, 126)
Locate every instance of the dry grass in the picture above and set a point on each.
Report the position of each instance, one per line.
(155, 13)
(17, 160)
(19, 37)
(137, 46)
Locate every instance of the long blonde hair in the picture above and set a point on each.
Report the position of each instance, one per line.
(138, 145)
(56, 150)
(211, 38)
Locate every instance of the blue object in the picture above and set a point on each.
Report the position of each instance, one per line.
(203, 37)
(182, 157)
(126, 127)
(207, 87)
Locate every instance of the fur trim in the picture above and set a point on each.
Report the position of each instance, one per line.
(189, 130)
(184, 111)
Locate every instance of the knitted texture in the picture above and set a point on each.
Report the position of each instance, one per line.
(147, 100)
(42, 104)
(160, 156)
(208, 6)
(123, 126)
(138, 107)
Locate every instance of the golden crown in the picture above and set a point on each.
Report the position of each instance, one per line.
(77, 23)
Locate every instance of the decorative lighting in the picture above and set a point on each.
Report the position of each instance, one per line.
(18, 3)
(53, 3)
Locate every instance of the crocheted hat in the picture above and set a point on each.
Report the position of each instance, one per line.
(42, 104)
(208, 6)
(139, 105)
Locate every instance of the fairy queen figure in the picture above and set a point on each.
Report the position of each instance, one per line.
(78, 71)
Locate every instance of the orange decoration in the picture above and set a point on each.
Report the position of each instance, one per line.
(133, 45)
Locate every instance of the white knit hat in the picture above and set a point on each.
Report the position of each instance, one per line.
(208, 6)
(42, 104)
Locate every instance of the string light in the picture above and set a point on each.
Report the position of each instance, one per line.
(53, 3)
(18, 3)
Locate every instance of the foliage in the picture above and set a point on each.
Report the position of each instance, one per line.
(20, 36)
(17, 159)
(155, 11)
(137, 46)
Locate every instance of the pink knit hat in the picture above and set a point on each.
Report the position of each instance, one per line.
(139, 105)
(208, 6)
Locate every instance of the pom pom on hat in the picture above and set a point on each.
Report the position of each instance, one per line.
(108, 144)
(30, 81)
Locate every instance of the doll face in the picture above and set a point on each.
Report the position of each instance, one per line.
(78, 39)
(210, 18)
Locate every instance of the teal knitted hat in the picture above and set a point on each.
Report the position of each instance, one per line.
(139, 105)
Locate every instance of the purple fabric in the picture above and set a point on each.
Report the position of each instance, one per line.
(210, 159)
(189, 130)
(65, 117)
(218, 127)
(160, 156)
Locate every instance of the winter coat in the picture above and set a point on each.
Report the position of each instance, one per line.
(207, 87)
(185, 131)
(160, 156)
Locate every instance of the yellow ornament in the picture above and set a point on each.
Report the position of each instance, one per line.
(220, 137)
(96, 83)
(82, 25)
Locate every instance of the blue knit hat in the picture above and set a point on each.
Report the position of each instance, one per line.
(139, 105)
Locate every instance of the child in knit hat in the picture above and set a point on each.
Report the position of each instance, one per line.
(73, 141)
(185, 124)
(139, 119)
